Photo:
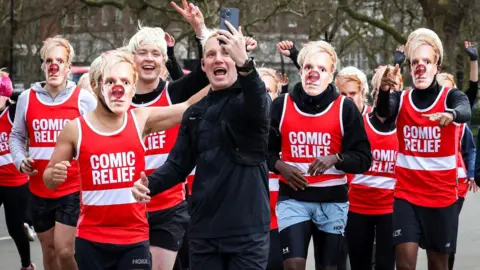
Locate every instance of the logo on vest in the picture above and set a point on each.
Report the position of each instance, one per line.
(383, 161)
(47, 130)
(156, 140)
(113, 168)
(4, 142)
(422, 139)
(309, 144)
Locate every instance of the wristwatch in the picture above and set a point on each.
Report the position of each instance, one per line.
(248, 66)
(339, 157)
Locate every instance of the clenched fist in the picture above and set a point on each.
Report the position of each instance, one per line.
(59, 173)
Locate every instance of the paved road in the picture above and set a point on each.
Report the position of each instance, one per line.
(467, 256)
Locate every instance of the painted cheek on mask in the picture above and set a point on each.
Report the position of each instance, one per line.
(420, 70)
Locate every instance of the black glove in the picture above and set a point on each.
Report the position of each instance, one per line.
(398, 58)
(472, 53)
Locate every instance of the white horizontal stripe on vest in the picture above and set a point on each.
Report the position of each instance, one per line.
(153, 162)
(374, 181)
(108, 197)
(330, 183)
(6, 159)
(461, 173)
(41, 153)
(304, 168)
(427, 164)
(273, 184)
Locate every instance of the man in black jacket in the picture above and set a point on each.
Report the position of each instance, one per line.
(225, 136)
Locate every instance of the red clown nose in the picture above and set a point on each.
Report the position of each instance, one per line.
(420, 70)
(118, 91)
(53, 69)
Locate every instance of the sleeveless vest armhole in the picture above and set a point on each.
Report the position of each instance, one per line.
(79, 140)
(138, 130)
(341, 114)
(282, 118)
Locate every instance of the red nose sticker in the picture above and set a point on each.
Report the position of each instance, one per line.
(420, 70)
(313, 76)
(53, 69)
(118, 91)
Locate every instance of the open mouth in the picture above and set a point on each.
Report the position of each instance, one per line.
(53, 70)
(219, 71)
(118, 91)
(148, 68)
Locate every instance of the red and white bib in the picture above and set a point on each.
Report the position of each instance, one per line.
(306, 137)
(110, 163)
(44, 122)
(9, 175)
(274, 187)
(158, 145)
(371, 193)
(426, 168)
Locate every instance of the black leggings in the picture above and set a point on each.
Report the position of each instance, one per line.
(361, 232)
(451, 257)
(15, 201)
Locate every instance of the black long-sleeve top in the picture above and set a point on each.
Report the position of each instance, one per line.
(173, 67)
(355, 144)
(471, 92)
(179, 90)
(457, 102)
(229, 198)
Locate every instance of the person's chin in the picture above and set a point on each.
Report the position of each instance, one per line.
(148, 78)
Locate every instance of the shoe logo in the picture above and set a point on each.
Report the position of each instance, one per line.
(192, 118)
(285, 250)
(447, 245)
(397, 233)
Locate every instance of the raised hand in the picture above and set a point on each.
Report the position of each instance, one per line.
(234, 44)
(251, 44)
(191, 14)
(284, 47)
(471, 51)
(170, 40)
(388, 79)
(399, 56)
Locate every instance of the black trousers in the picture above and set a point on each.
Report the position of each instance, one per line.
(361, 232)
(246, 252)
(15, 201)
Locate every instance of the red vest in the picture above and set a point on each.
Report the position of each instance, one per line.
(158, 146)
(274, 187)
(9, 175)
(110, 163)
(44, 122)
(306, 137)
(367, 109)
(371, 193)
(462, 169)
(426, 166)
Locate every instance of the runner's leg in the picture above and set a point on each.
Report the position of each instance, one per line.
(65, 230)
(15, 202)
(384, 249)
(360, 232)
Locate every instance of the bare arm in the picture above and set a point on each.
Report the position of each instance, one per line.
(155, 119)
(56, 171)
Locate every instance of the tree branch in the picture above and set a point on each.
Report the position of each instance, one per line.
(343, 5)
(120, 4)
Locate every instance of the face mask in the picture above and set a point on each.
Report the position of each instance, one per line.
(6, 88)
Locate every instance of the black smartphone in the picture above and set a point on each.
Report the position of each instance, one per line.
(232, 15)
